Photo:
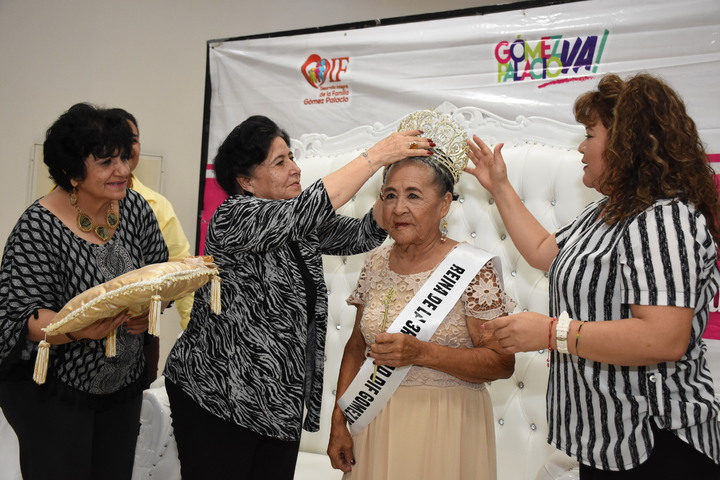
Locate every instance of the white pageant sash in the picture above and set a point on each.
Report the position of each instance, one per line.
(365, 397)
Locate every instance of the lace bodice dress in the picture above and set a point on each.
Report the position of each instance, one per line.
(483, 299)
(403, 441)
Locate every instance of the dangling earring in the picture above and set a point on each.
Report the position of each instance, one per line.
(73, 197)
(443, 231)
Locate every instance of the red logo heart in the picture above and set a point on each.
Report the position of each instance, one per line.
(315, 70)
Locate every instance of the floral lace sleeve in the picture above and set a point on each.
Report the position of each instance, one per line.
(358, 295)
(486, 298)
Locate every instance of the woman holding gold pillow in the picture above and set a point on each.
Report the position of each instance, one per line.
(238, 382)
(83, 422)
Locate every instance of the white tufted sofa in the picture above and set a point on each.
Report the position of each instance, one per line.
(545, 168)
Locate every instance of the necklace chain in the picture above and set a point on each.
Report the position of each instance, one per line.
(86, 224)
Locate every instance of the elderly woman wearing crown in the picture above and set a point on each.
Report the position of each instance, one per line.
(412, 398)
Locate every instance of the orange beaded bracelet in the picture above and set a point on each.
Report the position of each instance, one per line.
(552, 320)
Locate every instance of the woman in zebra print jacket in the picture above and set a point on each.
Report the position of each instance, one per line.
(630, 394)
(238, 381)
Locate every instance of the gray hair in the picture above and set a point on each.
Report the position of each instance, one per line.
(442, 178)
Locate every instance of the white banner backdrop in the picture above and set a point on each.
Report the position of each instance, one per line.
(522, 62)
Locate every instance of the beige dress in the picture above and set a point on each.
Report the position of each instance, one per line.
(435, 426)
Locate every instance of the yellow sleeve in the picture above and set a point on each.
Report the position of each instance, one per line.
(175, 239)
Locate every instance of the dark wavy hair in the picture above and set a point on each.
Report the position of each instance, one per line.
(653, 148)
(245, 148)
(82, 131)
(124, 114)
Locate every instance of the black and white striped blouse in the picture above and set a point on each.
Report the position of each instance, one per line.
(261, 360)
(600, 413)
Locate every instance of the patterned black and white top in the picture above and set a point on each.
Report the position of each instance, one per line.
(599, 413)
(262, 358)
(45, 265)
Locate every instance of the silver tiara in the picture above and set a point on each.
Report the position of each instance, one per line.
(451, 149)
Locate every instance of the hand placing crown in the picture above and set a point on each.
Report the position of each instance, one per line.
(451, 150)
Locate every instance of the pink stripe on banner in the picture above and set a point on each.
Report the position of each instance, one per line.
(712, 332)
(713, 329)
(214, 196)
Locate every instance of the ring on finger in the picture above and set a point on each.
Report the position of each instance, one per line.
(413, 145)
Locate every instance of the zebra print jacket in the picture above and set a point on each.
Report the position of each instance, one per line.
(261, 359)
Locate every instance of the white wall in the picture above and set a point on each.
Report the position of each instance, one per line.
(147, 56)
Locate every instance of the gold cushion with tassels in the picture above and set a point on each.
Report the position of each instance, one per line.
(136, 291)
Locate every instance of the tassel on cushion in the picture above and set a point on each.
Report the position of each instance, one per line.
(215, 303)
(41, 362)
(110, 340)
(154, 315)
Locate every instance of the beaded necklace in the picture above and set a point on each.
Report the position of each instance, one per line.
(85, 222)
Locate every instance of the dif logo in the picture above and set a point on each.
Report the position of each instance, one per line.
(318, 70)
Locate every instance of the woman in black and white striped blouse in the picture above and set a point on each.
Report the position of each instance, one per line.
(630, 394)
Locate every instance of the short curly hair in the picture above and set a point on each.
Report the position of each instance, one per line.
(653, 148)
(246, 147)
(82, 131)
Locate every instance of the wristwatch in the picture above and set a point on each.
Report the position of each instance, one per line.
(561, 332)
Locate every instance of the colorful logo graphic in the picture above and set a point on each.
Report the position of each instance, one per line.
(318, 70)
(551, 57)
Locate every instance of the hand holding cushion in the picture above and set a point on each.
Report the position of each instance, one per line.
(134, 292)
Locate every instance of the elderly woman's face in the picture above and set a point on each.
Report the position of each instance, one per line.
(412, 206)
(105, 178)
(277, 177)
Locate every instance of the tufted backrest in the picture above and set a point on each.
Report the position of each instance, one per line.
(545, 168)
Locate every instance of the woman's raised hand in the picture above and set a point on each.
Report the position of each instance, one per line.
(399, 145)
(342, 184)
(489, 166)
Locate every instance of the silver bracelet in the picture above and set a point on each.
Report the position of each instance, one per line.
(367, 157)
